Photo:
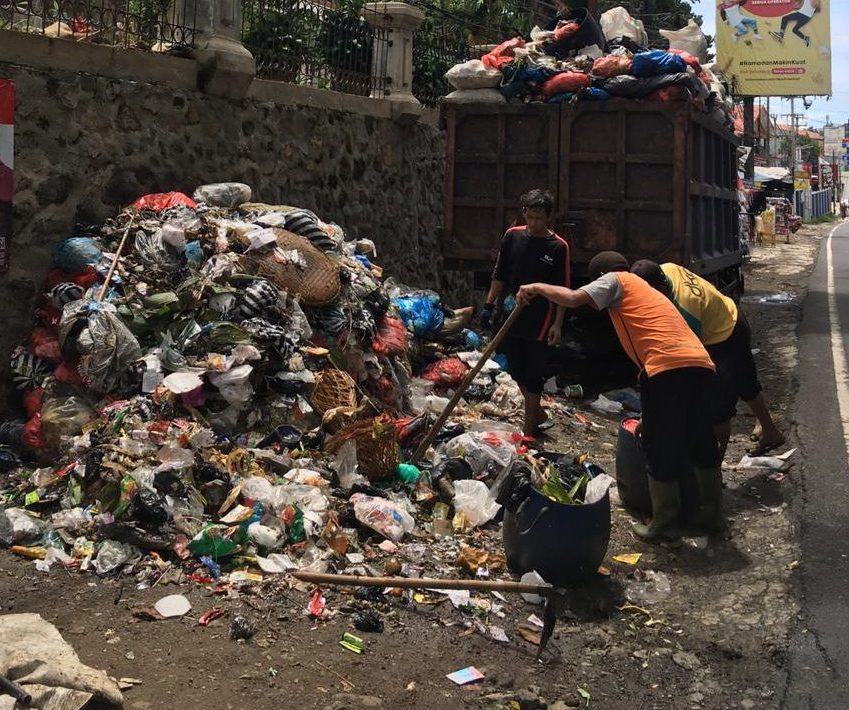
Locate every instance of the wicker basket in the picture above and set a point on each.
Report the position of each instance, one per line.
(378, 453)
(333, 389)
(315, 279)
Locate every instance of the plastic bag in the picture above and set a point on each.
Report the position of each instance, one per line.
(611, 65)
(105, 344)
(446, 373)
(422, 312)
(617, 22)
(162, 201)
(32, 436)
(44, 344)
(223, 194)
(76, 254)
(265, 536)
(690, 60)
(112, 555)
(473, 501)
(579, 39)
(565, 81)
(502, 55)
(473, 74)
(656, 63)
(18, 526)
(632, 88)
(475, 96)
(64, 416)
(690, 39)
(480, 451)
(383, 516)
(391, 337)
(234, 385)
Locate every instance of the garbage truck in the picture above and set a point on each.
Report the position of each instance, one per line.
(655, 180)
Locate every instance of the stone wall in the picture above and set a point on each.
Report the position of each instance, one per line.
(87, 145)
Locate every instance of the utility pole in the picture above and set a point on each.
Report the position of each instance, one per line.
(793, 139)
(768, 132)
(749, 135)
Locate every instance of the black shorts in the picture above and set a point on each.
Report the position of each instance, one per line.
(677, 430)
(736, 372)
(528, 361)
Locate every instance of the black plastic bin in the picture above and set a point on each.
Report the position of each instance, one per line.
(564, 543)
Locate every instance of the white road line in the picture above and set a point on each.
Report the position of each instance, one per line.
(838, 352)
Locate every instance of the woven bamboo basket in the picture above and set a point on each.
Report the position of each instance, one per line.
(316, 279)
(378, 453)
(333, 389)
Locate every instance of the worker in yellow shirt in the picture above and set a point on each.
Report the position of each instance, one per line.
(723, 329)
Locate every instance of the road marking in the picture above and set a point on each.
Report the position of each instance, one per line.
(838, 353)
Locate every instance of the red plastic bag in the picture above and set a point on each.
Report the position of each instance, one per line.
(86, 278)
(447, 373)
(502, 55)
(565, 83)
(159, 201)
(689, 59)
(67, 372)
(32, 401)
(565, 30)
(669, 93)
(391, 337)
(611, 65)
(32, 437)
(44, 343)
(49, 315)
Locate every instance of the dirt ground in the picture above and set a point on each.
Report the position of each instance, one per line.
(716, 640)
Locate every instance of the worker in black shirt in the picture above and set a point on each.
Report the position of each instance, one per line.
(530, 254)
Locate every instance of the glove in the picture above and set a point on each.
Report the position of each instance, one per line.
(486, 316)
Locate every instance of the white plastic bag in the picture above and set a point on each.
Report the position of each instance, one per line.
(234, 385)
(223, 194)
(473, 74)
(19, 526)
(383, 516)
(479, 454)
(475, 96)
(688, 39)
(617, 22)
(472, 499)
(264, 536)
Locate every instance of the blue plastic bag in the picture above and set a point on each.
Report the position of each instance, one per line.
(422, 312)
(75, 254)
(657, 62)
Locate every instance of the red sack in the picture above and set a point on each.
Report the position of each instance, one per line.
(688, 58)
(32, 437)
(32, 401)
(565, 83)
(502, 55)
(44, 343)
(67, 372)
(159, 201)
(565, 30)
(86, 278)
(391, 337)
(446, 373)
(611, 65)
(49, 315)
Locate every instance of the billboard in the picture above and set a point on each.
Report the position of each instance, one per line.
(7, 151)
(775, 47)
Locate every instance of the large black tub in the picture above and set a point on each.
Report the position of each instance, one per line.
(564, 543)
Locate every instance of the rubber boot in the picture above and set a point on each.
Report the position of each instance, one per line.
(666, 508)
(710, 517)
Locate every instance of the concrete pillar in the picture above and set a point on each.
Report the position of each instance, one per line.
(225, 66)
(400, 22)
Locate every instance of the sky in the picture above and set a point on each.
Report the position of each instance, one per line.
(837, 108)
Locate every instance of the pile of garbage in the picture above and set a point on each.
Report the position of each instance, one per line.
(231, 388)
(578, 59)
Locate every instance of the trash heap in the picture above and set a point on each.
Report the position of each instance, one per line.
(578, 59)
(231, 389)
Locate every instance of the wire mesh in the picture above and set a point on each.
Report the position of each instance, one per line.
(328, 46)
(157, 25)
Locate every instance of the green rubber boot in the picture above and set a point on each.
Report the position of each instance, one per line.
(666, 507)
(710, 517)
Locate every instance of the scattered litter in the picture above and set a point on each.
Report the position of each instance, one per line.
(648, 587)
(465, 675)
(351, 642)
(172, 606)
(629, 558)
(776, 463)
(241, 628)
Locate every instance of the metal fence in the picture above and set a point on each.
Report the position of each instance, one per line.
(155, 25)
(329, 46)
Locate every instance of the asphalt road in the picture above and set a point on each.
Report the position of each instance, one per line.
(817, 675)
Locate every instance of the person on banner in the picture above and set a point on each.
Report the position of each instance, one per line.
(729, 11)
(528, 254)
(805, 11)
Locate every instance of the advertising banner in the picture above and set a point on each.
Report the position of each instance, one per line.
(775, 47)
(7, 151)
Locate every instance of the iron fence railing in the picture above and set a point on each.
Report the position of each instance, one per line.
(327, 45)
(157, 25)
